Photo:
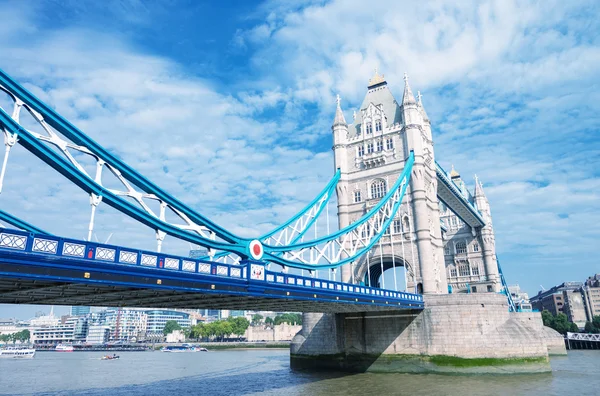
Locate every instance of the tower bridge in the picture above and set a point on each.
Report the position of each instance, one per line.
(396, 207)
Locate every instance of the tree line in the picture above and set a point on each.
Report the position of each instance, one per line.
(559, 322)
(21, 336)
(289, 318)
(593, 327)
(220, 329)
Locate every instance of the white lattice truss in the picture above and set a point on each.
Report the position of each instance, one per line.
(296, 229)
(583, 337)
(71, 151)
(287, 235)
(79, 155)
(348, 244)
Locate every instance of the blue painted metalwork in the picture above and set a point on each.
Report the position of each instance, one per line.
(511, 303)
(46, 154)
(326, 193)
(401, 184)
(71, 132)
(40, 250)
(15, 221)
(231, 242)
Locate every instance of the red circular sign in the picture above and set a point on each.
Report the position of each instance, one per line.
(256, 249)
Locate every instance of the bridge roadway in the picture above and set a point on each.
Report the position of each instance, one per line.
(42, 269)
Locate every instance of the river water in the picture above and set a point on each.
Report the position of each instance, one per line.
(251, 372)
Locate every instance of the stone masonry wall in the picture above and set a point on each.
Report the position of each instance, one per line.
(281, 332)
(457, 325)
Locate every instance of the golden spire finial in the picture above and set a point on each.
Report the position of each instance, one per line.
(377, 79)
(453, 172)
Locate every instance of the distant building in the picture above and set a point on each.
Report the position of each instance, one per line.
(553, 300)
(79, 311)
(235, 314)
(574, 307)
(98, 334)
(175, 336)
(591, 293)
(45, 320)
(9, 326)
(126, 325)
(55, 334)
(157, 318)
(81, 328)
(520, 298)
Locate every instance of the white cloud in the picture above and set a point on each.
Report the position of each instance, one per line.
(510, 87)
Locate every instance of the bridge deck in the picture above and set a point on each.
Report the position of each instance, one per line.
(42, 269)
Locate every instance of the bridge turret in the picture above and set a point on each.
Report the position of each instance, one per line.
(340, 154)
(340, 138)
(340, 132)
(417, 135)
(487, 236)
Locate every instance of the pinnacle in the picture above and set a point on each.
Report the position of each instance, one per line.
(420, 106)
(408, 97)
(478, 188)
(339, 114)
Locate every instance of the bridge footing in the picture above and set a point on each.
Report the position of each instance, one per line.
(456, 333)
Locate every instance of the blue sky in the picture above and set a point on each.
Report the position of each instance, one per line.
(228, 106)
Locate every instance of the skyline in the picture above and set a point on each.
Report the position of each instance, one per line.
(232, 114)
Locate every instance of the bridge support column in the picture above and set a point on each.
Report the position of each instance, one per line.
(457, 333)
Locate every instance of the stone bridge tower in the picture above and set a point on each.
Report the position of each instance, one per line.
(371, 152)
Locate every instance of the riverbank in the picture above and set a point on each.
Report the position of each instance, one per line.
(237, 345)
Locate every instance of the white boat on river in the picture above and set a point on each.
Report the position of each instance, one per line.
(17, 353)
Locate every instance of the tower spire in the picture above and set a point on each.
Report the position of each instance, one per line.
(420, 106)
(377, 80)
(339, 115)
(408, 97)
(479, 188)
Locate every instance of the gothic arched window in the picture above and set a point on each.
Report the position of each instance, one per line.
(397, 226)
(361, 151)
(475, 246)
(377, 125)
(378, 189)
(405, 224)
(380, 145)
(461, 247)
(369, 127)
(390, 143)
(357, 197)
(453, 272)
(370, 148)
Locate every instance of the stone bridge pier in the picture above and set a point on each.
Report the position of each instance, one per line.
(456, 333)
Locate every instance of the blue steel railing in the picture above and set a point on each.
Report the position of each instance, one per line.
(338, 287)
(32, 243)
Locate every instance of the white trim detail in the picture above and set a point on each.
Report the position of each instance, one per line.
(148, 260)
(127, 257)
(44, 245)
(105, 254)
(171, 263)
(188, 266)
(73, 249)
(13, 241)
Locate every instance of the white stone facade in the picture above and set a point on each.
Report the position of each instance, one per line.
(371, 153)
